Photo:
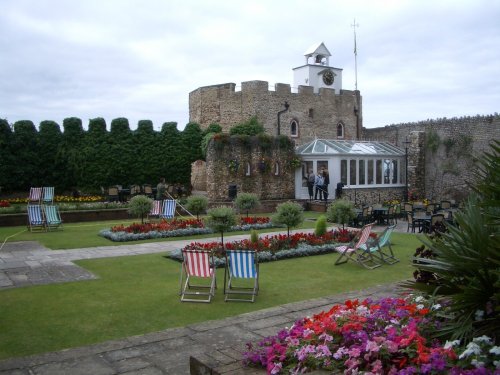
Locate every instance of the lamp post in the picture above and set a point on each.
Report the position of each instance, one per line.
(406, 143)
(279, 115)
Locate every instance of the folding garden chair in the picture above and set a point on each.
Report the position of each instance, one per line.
(242, 275)
(156, 209)
(376, 246)
(36, 220)
(355, 253)
(52, 217)
(35, 195)
(48, 195)
(168, 209)
(197, 265)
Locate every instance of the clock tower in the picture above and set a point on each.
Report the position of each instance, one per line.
(317, 72)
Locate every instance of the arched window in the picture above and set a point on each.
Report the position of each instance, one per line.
(248, 169)
(276, 169)
(294, 128)
(340, 130)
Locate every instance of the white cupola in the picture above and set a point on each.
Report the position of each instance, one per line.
(317, 72)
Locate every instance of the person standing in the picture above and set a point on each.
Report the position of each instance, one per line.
(310, 183)
(161, 188)
(326, 182)
(318, 183)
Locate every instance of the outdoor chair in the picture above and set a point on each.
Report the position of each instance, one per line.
(437, 218)
(353, 251)
(377, 246)
(197, 281)
(36, 220)
(242, 275)
(35, 195)
(412, 223)
(445, 205)
(113, 194)
(147, 190)
(407, 207)
(431, 207)
(48, 195)
(135, 190)
(156, 209)
(168, 209)
(52, 217)
(390, 216)
(366, 217)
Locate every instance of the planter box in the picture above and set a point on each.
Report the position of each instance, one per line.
(11, 220)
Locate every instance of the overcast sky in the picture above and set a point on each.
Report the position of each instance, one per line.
(139, 59)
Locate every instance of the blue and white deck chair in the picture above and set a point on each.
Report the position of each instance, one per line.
(35, 195)
(156, 209)
(168, 210)
(36, 220)
(197, 267)
(52, 217)
(242, 275)
(377, 246)
(48, 195)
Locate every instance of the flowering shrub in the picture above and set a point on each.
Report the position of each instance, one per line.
(161, 226)
(61, 198)
(4, 203)
(254, 220)
(387, 336)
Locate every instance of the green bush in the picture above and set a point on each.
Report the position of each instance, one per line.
(251, 127)
(197, 204)
(220, 219)
(254, 236)
(320, 228)
(140, 205)
(246, 202)
(341, 211)
(290, 214)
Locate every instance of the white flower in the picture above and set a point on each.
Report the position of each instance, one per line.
(437, 306)
(495, 350)
(476, 363)
(496, 364)
(420, 307)
(479, 314)
(472, 348)
(419, 299)
(451, 344)
(483, 338)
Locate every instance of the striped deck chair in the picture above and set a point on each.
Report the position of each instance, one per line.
(48, 195)
(355, 253)
(35, 195)
(52, 217)
(168, 209)
(36, 220)
(377, 246)
(197, 267)
(156, 209)
(242, 275)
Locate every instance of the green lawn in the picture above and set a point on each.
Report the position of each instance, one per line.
(139, 294)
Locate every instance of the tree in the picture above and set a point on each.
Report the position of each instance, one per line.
(320, 228)
(250, 127)
(140, 205)
(290, 214)
(96, 152)
(69, 157)
(50, 137)
(25, 145)
(8, 156)
(246, 202)
(220, 219)
(197, 204)
(341, 212)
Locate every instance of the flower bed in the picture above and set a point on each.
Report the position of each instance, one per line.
(388, 336)
(275, 247)
(175, 228)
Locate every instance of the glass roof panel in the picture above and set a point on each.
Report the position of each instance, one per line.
(348, 147)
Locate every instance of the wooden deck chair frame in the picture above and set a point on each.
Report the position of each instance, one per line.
(35, 196)
(353, 251)
(156, 209)
(168, 209)
(197, 265)
(36, 219)
(52, 217)
(241, 266)
(377, 246)
(48, 195)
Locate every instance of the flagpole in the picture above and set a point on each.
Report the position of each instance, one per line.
(354, 25)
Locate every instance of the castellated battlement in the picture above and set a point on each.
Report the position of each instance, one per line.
(317, 115)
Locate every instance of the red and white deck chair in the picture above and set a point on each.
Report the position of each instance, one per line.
(35, 195)
(242, 275)
(354, 250)
(197, 282)
(156, 209)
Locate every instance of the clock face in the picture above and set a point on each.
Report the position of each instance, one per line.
(328, 77)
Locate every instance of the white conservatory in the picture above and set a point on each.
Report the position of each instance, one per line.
(357, 165)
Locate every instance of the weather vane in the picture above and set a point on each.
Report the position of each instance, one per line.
(354, 25)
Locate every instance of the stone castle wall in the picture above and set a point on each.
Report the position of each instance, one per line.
(317, 114)
(249, 165)
(441, 152)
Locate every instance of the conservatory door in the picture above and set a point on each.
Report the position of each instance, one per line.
(301, 190)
